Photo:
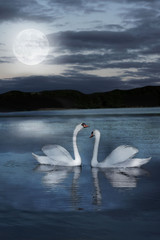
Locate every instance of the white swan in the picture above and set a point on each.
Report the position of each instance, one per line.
(122, 156)
(57, 155)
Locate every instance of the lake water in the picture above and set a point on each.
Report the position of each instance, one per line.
(47, 202)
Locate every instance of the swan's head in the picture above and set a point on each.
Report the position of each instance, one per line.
(83, 125)
(80, 126)
(95, 133)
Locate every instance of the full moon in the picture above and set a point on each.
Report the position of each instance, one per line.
(31, 47)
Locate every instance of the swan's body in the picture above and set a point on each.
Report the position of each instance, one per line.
(122, 156)
(57, 155)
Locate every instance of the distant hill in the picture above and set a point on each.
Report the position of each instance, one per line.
(63, 99)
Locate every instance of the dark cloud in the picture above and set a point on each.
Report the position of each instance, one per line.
(142, 37)
(92, 40)
(98, 61)
(49, 10)
(40, 10)
(133, 43)
(7, 59)
(122, 48)
(75, 59)
(135, 83)
(145, 35)
(114, 27)
(45, 10)
(88, 6)
(30, 10)
(72, 80)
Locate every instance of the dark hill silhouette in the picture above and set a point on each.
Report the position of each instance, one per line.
(21, 101)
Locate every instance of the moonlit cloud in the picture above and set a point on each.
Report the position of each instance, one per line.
(95, 45)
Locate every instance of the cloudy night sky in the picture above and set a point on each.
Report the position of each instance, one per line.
(95, 45)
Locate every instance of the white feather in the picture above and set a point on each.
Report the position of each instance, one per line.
(120, 154)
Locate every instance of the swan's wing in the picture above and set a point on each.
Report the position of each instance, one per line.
(120, 154)
(134, 162)
(58, 154)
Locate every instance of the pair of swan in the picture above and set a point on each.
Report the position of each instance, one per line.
(122, 156)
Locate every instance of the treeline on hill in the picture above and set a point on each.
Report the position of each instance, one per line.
(21, 101)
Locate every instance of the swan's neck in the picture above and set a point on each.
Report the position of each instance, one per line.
(98, 197)
(94, 162)
(75, 148)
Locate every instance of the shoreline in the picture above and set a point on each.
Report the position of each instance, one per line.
(67, 109)
(71, 99)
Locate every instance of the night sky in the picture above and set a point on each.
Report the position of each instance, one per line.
(95, 45)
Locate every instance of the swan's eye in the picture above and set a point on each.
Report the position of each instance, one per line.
(91, 132)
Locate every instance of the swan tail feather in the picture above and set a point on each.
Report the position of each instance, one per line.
(43, 159)
(135, 162)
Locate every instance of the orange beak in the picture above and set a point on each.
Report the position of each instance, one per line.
(85, 125)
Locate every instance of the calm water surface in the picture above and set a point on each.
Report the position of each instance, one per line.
(46, 202)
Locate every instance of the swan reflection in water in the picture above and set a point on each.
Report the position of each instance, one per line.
(56, 175)
(118, 178)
